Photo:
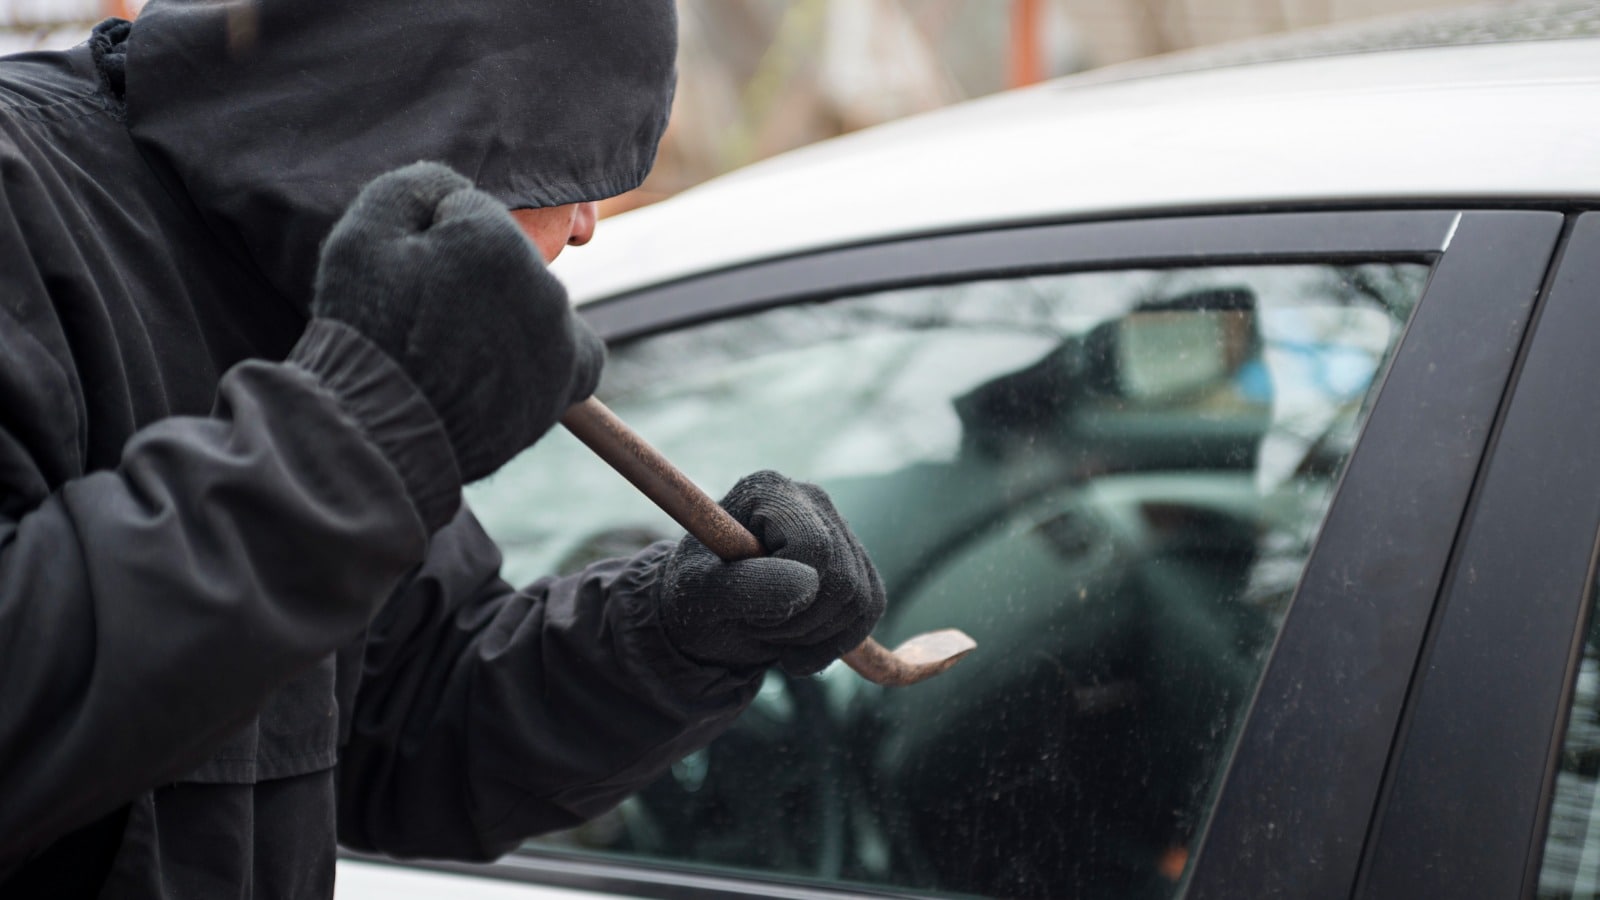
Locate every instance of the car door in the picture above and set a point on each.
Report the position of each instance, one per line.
(1193, 483)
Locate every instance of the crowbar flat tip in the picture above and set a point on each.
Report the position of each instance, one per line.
(918, 659)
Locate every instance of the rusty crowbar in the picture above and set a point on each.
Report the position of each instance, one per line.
(919, 658)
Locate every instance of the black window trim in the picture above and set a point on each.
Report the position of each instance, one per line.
(1248, 238)
(1483, 277)
(1508, 633)
(1303, 787)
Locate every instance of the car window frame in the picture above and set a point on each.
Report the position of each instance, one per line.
(1428, 397)
(1027, 249)
(1509, 634)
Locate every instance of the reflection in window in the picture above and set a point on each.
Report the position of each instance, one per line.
(1110, 479)
(1571, 867)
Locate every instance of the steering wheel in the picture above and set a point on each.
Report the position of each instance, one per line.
(761, 796)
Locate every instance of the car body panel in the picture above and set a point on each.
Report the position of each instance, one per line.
(1500, 122)
(359, 879)
(526, 875)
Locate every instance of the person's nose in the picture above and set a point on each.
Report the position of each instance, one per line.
(584, 220)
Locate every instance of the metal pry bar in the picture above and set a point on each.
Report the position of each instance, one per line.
(919, 658)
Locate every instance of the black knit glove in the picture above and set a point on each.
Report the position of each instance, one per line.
(814, 597)
(439, 276)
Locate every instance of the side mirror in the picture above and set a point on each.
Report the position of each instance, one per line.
(1161, 356)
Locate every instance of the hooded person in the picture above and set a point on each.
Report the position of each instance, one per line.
(243, 375)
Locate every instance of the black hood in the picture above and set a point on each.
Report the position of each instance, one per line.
(273, 113)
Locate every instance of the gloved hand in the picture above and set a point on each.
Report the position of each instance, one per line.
(814, 597)
(439, 276)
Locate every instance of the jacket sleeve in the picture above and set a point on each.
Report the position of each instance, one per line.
(148, 610)
(487, 714)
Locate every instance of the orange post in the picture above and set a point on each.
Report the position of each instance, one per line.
(120, 9)
(1026, 63)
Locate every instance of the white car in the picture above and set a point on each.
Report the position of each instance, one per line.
(1245, 413)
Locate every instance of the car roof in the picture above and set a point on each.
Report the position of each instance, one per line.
(1497, 122)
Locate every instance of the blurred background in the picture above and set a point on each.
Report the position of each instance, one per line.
(757, 77)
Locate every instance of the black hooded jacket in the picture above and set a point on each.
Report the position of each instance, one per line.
(226, 636)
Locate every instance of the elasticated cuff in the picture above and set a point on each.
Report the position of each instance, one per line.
(375, 392)
(640, 628)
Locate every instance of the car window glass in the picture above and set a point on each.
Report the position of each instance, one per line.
(1571, 867)
(1110, 479)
